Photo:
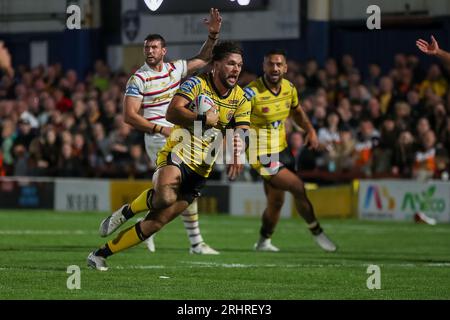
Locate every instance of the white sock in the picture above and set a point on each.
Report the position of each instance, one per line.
(190, 221)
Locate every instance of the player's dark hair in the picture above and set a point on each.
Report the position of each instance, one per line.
(156, 37)
(277, 52)
(225, 48)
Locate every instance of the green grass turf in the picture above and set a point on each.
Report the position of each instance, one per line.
(36, 247)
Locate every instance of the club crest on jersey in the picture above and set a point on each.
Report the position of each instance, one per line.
(265, 109)
(276, 124)
(230, 115)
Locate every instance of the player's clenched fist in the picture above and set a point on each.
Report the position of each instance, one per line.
(212, 117)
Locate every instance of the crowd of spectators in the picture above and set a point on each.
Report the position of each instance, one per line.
(369, 123)
(54, 124)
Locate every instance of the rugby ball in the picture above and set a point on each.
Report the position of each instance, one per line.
(202, 103)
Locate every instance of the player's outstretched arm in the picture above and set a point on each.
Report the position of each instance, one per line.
(433, 49)
(204, 56)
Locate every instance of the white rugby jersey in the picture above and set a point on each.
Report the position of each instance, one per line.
(156, 89)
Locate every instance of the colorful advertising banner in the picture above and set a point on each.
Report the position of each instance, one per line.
(401, 199)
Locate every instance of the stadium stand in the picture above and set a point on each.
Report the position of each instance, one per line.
(384, 124)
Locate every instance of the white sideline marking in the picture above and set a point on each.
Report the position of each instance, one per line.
(196, 264)
(45, 232)
(140, 267)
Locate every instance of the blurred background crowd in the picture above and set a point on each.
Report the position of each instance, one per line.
(370, 123)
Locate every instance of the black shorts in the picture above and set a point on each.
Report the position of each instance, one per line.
(191, 182)
(269, 165)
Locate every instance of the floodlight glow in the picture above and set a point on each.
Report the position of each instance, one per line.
(243, 2)
(153, 4)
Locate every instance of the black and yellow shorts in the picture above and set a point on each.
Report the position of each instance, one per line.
(191, 182)
(269, 165)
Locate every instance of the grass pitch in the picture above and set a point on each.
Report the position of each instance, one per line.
(36, 247)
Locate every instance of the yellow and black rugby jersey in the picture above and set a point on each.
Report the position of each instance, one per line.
(199, 152)
(269, 113)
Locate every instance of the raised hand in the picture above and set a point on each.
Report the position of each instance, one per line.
(431, 48)
(214, 22)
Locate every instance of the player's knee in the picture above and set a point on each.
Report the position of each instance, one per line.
(165, 198)
(298, 190)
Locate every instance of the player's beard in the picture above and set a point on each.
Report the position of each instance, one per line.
(223, 80)
(274, 83)
(155, 62)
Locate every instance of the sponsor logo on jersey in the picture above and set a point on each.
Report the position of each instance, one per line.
(189, 84)
(132, 90)
(249, 93)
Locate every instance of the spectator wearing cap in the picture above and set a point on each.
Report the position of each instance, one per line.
(25, 134)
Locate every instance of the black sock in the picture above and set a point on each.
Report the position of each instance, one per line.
(265, 233)
(316, 230)
(127, 213)
(104, 252)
